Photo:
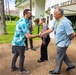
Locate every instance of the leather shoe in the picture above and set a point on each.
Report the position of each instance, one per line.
(40, 60)
(26, 48)
(14, 69)
(69, 68)
(53, 72)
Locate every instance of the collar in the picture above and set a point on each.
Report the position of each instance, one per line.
(60, 18)
(25, 19)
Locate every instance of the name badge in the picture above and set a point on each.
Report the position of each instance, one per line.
(55, 32)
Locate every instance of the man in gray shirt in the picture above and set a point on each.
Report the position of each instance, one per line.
(31, 41)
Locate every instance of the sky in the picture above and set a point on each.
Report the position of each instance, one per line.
(11, 4)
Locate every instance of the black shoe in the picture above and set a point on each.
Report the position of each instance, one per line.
(69, 68)
(26, 48)
(40, 60)
(53, 72)
(33, 49)
(14, 69)
(46, 59)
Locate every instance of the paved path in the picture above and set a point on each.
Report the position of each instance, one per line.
(31, 58)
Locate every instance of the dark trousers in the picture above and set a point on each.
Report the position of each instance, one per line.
(30, 40)
(44, 53)
(19, 51)
(31, 43)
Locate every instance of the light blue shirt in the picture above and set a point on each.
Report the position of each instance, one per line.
(21, 30)
(62, 32)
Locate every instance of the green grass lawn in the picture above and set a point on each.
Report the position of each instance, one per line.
(10, 27)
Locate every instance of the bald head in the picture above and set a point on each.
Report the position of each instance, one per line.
(58, 13)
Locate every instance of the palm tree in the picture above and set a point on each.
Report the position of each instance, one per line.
(2, 18)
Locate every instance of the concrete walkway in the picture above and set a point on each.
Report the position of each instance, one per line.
(31, 58)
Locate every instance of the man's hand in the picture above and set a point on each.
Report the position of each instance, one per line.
(46, 32)
(72, 36)
(40, 34)
(28, 35)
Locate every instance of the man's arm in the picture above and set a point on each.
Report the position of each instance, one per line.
(72, 36)
(46, 32)
(28, 35)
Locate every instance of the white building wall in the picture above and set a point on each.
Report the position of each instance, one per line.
(33, 8)
(47, 5)
(54, 2)
(21, 12)
(40, 8)
(51, 23)
(22, 9)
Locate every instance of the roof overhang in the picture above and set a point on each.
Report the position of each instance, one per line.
(69, 9)
(23, 3)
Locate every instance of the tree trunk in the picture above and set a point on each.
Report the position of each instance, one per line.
(2, 18)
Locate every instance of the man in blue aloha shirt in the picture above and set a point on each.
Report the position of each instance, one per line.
(18, 48)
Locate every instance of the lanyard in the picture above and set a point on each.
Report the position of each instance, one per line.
(59, 22)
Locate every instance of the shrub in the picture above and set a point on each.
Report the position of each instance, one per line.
(13, 18)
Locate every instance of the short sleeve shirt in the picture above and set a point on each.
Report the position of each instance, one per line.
(44, 29)
(62, 32)
(21, 30)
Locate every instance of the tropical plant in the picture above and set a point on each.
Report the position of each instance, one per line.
(17, 1)
(42, 15)
(36, 21)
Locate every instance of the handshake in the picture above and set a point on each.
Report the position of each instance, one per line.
(40, 34)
